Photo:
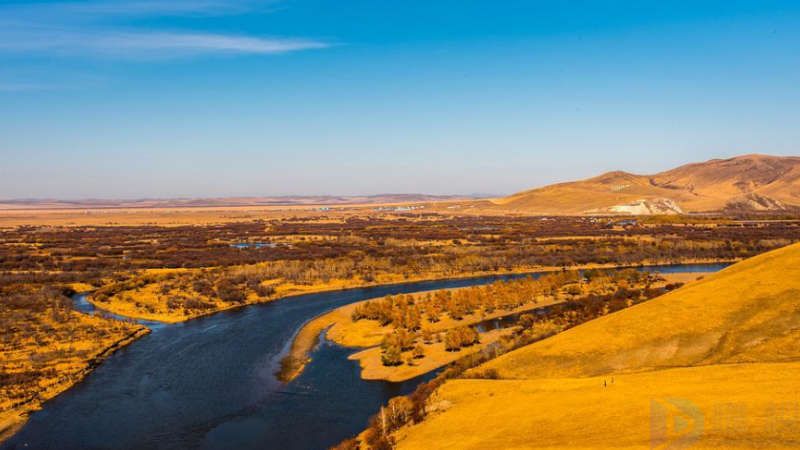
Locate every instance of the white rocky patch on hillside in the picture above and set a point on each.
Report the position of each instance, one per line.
(648, 207)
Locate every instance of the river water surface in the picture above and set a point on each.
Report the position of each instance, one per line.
(209, 383)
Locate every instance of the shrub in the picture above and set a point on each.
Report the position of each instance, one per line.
(392, 356)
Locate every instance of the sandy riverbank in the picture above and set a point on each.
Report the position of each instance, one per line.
(368, 334)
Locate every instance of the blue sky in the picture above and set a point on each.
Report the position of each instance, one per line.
(174, 98)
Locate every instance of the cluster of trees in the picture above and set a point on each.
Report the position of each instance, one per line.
(458, 337)
(403, 410)
(410, 311)
(410, 316)
(402, 340)
(394, 344)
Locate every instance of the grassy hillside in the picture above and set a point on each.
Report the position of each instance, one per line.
(749, 182)
(592, 195)
(726, 347)
(754, 181)
(747, 312)
(737, 406)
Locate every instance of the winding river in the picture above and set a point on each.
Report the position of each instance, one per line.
(209, 383)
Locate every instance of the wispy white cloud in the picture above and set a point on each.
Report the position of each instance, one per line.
(89, 28)
(145, 43)
(206, 42)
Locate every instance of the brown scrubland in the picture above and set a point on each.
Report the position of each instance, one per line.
(174, 270)
(177, 273)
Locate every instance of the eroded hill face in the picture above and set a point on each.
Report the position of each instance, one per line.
(749, 183)
(714, 364)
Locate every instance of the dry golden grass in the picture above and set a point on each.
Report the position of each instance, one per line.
(726, 347)
(741, 406)
(579, 197)
(748, 311)
(145, 216)
(179, 216)
(147, 304)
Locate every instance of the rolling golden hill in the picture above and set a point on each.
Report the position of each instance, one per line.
(715, 364)
(749, 182)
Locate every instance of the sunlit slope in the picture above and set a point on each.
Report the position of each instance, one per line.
(747, 312)
(725, 350)
(727, 406)
(748, 182)
(594, 194)
(758, 182)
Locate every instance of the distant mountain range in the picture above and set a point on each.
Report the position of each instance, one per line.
(743, 183)
(321, 200)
